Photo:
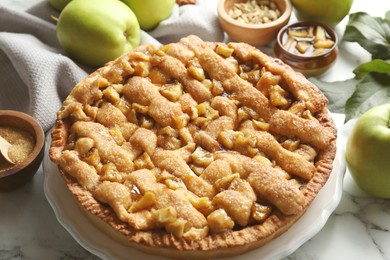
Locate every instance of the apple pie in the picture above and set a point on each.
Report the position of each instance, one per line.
(194, 149)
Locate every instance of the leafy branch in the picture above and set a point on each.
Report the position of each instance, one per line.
(371, 85)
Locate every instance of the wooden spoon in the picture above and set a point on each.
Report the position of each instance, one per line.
(4, 148)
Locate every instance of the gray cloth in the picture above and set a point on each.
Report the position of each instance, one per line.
(35, 73)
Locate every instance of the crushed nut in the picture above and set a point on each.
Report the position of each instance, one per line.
(255, 12)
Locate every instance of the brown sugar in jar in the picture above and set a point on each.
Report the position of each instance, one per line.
(22, 145)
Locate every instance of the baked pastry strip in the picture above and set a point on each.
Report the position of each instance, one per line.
(176, 69)
(267, 182)
(301, 88)
(309, 131)
(289, 161)
(220, 70)
(166, 113)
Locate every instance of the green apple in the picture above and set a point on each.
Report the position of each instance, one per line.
(59, 4)
(368, 151)
(330, 12)
(95, 32)
(150, 12)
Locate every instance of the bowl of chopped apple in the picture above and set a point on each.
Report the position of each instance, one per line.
(308, 47)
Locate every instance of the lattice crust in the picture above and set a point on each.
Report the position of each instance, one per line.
(195, 145)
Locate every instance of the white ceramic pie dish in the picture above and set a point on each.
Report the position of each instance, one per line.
(100, 244)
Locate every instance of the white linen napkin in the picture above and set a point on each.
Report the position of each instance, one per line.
(35, 73)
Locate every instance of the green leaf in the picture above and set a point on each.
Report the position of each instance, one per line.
(387, 15)
(337, 92)
(377, 65)
(372, 90)
(371, 85)
(372, 33)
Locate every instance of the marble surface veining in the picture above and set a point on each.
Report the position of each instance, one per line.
(359, 228)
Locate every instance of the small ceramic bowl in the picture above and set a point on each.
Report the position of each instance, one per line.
(16, 175)
(254, 34)
(309, 63)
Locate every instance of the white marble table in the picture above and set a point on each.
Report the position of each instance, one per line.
(359, 228)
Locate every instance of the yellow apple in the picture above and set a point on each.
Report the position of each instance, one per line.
(150, 12)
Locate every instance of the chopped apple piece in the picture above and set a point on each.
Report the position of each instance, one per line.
(289, 43)
(310, 31)
(302, 47)
(320, 34)
(324, 44)
(297, 33)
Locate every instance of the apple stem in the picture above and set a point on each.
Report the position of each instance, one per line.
(54, 18)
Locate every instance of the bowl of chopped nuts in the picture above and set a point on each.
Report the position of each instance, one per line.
(255, 22)
(22, 142)
(308, 47)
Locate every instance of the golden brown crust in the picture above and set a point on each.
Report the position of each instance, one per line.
(297, 83)
(59, 135)
(119, 133)
(285, 123)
